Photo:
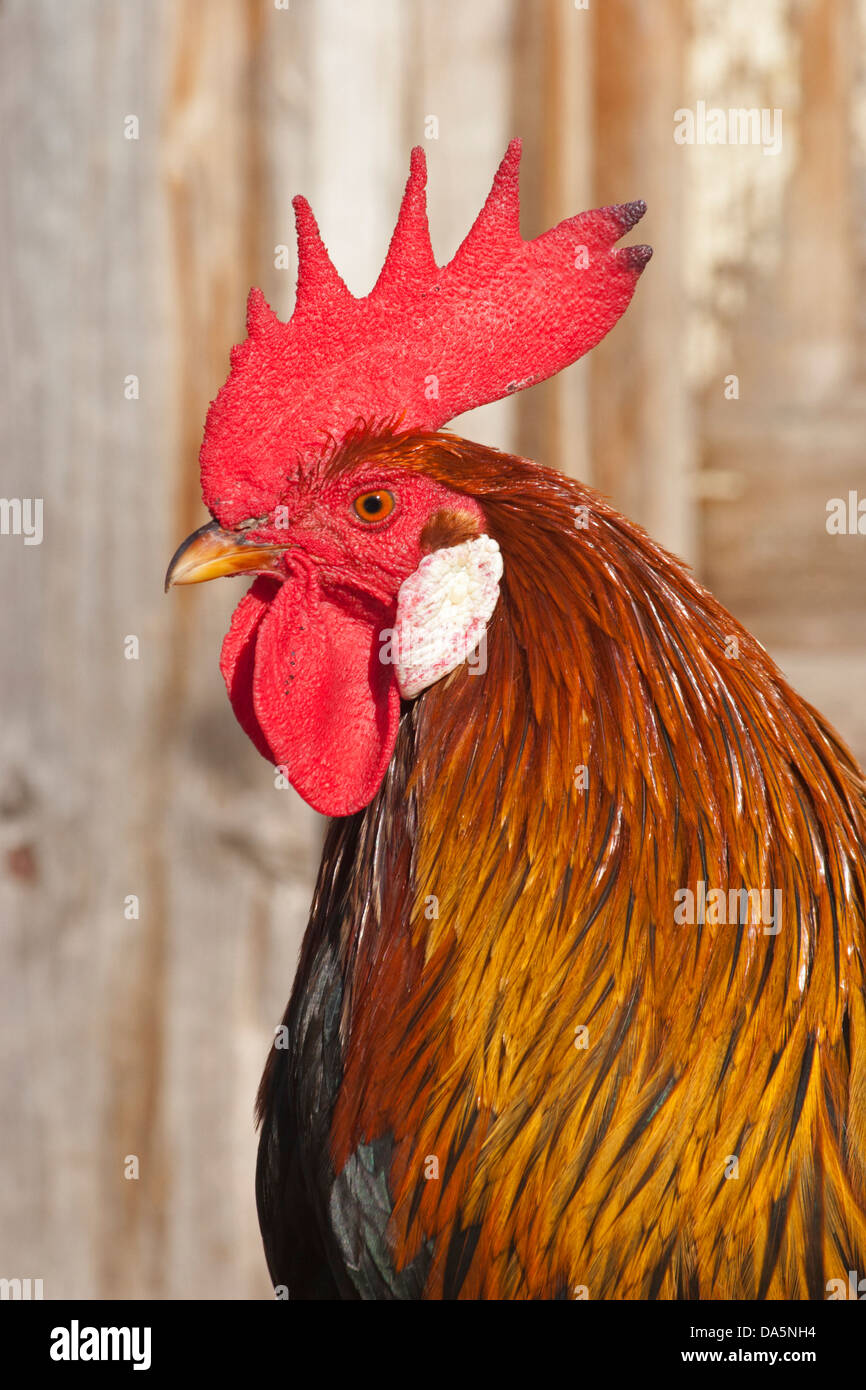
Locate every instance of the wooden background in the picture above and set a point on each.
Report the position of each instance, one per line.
(146, 1037)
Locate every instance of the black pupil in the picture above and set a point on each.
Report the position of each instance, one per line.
(373, 505)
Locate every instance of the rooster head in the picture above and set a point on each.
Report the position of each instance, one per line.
(374, 579)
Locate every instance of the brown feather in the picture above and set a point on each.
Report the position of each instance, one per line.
(605, 1167)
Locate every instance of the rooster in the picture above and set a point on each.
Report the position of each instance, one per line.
(580, 1005)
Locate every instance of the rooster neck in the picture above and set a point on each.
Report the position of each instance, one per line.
(610, 754)
(513, 888)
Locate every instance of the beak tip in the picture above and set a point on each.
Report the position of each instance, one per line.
(176, 570)
(211, 553)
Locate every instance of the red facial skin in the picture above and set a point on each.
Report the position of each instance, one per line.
(301, 659)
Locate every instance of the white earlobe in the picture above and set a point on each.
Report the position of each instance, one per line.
(443, 610)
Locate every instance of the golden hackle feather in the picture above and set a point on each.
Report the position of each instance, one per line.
(604, 1167)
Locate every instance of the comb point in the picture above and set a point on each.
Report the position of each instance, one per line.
(261, 319)
(627, 215)
(320, 284)
(497, 226)
(410, 263)
(633, 257)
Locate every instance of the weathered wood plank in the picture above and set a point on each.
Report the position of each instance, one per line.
(133, 257)
(641, 428)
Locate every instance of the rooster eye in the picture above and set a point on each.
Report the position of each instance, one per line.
(374, 506)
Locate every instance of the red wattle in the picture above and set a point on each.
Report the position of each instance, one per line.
(237, 659)
(302, 667)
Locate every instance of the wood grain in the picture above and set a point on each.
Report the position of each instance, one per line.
(146, 1037)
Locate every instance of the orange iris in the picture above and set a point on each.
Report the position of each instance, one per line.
(374, 506)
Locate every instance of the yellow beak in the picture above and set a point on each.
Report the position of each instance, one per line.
(212, 553)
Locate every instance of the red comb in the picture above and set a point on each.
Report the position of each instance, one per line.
(425, 345)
